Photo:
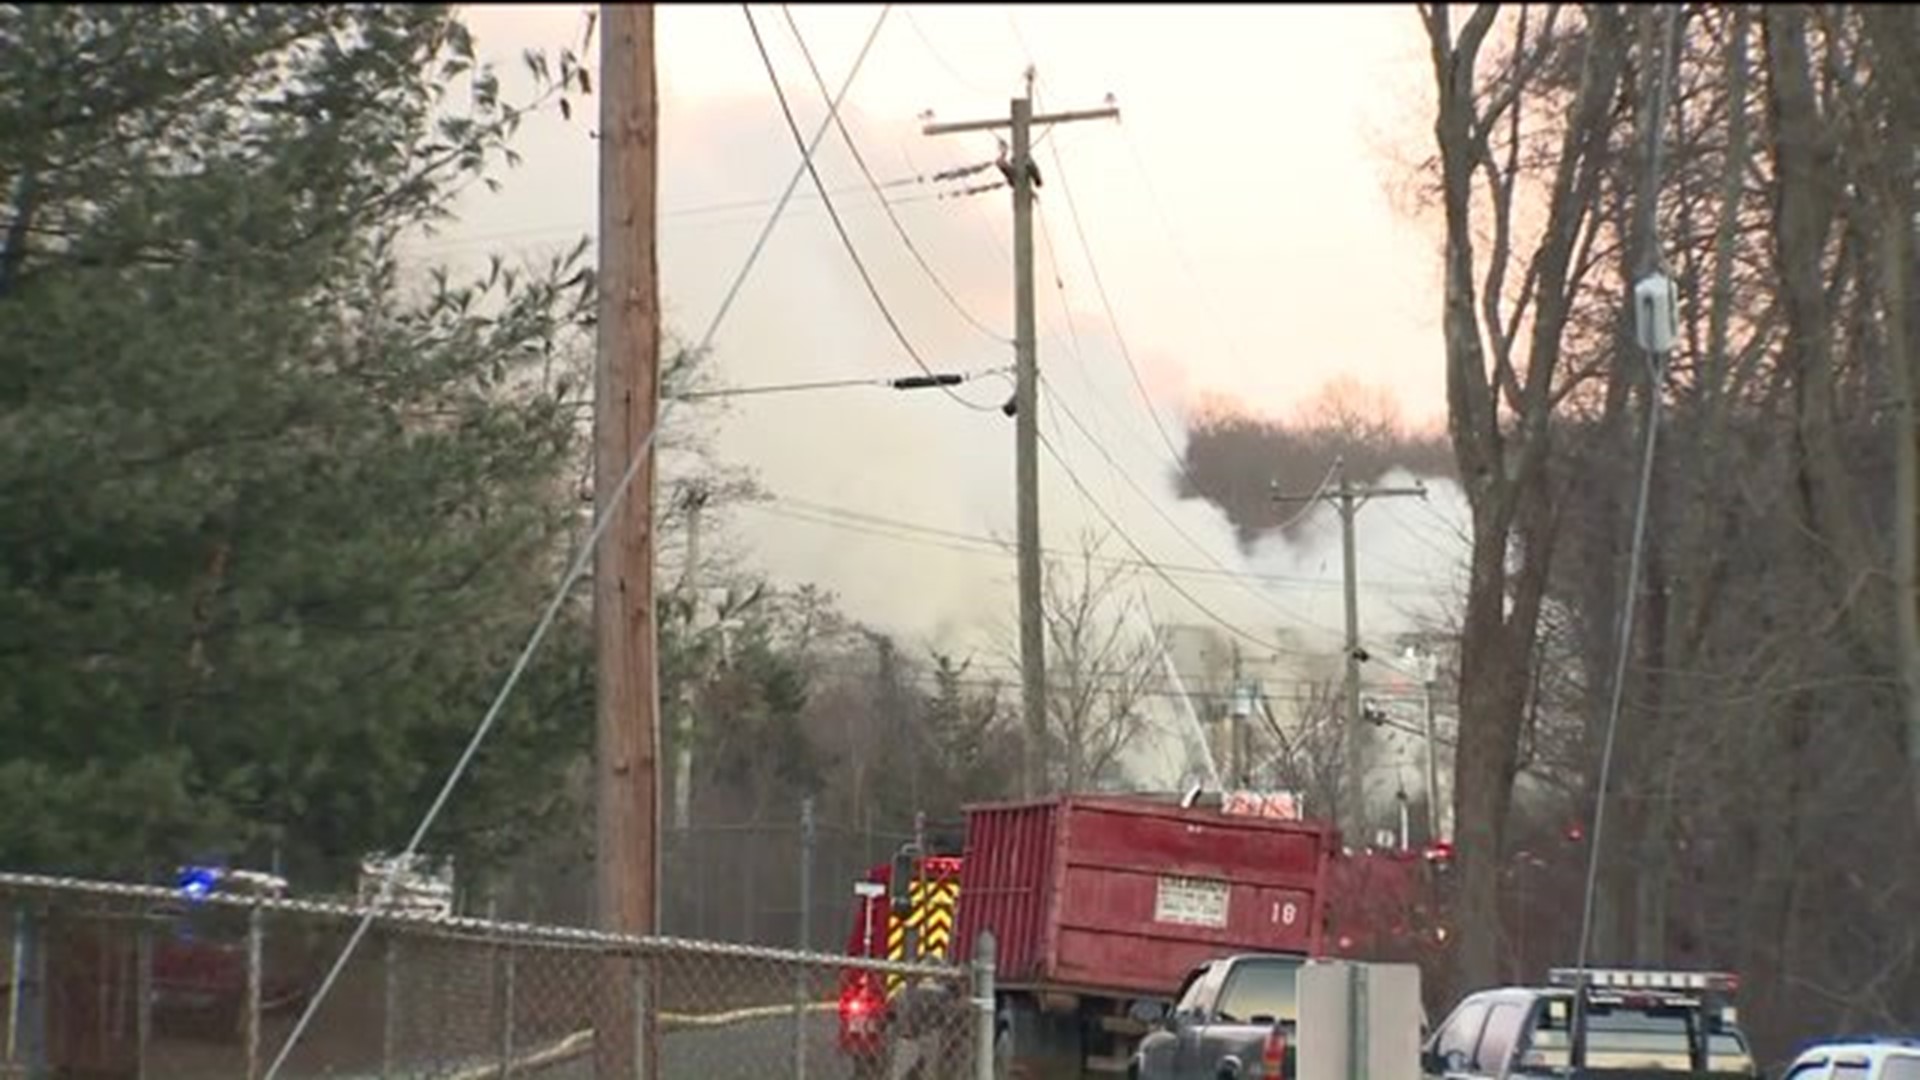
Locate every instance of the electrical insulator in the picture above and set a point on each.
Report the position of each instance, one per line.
(1656, 312)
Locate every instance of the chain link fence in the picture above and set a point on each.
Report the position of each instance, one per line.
(106, 980)
(767, 883)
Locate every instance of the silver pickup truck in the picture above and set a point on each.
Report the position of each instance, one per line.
(1233, 1017)
(1636, 1025)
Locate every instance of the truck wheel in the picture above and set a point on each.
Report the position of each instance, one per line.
(1003, 1055)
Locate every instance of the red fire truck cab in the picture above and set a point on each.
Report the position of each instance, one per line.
(923, 931)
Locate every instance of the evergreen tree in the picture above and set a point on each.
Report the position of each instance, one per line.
(272, 525)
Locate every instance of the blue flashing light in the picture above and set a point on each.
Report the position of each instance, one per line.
(197, 881)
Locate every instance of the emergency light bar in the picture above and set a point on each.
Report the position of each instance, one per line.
(1631, 979)
(195, 882)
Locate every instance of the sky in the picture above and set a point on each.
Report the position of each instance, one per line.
(1235, 236)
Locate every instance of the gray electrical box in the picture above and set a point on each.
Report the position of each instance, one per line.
(1359, 1021)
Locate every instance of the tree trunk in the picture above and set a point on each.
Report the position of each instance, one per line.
(1697, 562)
(1807, 180)
(1503, 459)
(1892, 33)
(1493, 685)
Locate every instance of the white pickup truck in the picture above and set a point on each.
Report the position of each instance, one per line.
(1858, 1059)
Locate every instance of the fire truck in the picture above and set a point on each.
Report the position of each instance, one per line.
(914, 923)
(1100, 906)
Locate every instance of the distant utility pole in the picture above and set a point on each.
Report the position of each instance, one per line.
(1023, 177)
(1350, 499)
(694, 500)
(626, 408)
(1237, 709)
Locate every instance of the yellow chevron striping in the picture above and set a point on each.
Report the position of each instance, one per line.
(896, 950)
(932, 915)
(939, 937)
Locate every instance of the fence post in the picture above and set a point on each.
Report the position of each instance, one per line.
(143, 996)
(806, 939)
(16, 981)
(506, 1010)
(807, 845)
(984, 959)
(643, 1048)
(251, 1007)
(40, 1016)
(1358, 1012)
(700, 871)
(390, 1006)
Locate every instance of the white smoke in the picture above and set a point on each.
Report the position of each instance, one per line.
(919, 457)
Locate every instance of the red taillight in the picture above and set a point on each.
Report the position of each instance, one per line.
(859, 1002)
(1273, 1060)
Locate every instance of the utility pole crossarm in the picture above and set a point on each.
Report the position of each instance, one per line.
(959, 126)
(1360, 493)
(1363, 494)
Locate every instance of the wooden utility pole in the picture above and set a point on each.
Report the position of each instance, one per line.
(1350, 499)
(626, 408)
(1022, 176)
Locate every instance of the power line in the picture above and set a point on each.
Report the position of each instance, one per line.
(1378, 692)
(1155, 506)
(940, 57)
(860, 160)
(1139, 383)
(1113, 465)
(1073, 341)
(1427, 542)
(1113, 320)
(1010, 680)
(974, 543)
(1312, 502)
(1656, 375)
(1066, 308)
(1126, 354)
(1114, 473)
(1020, 39)
(969, 544)
(839, 227)
(698, 210)
(911, 382)
(1150, 564)
(1156, 568)
(1179, 250)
